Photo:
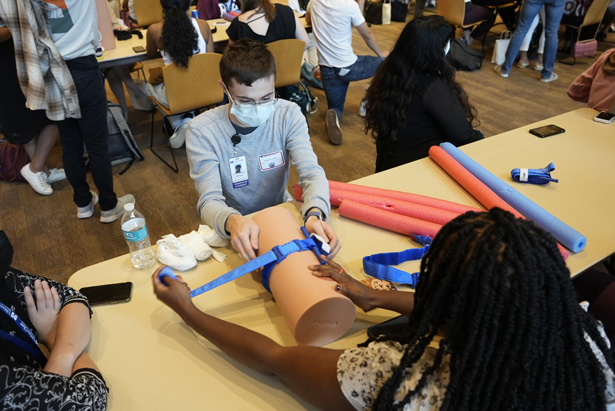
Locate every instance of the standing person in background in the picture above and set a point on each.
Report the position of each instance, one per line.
(74, 94)
(43, 311)
(524, 61)
(332, 23)
(414, 101)
(21, 125)
(529, 10)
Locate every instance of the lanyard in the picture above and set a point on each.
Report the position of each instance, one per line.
(36, 352)
(377, 265)
(268, 260)
(534, 175)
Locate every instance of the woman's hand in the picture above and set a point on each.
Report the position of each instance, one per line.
(314, 225)
(43, 313)
(358, 293)
(174, 293)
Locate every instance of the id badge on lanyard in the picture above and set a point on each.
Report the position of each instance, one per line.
(239, 171)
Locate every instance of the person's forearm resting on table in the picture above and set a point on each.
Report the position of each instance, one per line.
(310, 372)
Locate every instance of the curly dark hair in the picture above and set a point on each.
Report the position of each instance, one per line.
(179, 38)
(419, 51)
(499, 290)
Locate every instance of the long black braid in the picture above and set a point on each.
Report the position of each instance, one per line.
(499, 290)
(179, 38)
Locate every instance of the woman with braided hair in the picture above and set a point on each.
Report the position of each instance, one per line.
(493, 325)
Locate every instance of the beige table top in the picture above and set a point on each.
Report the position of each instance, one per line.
(124, 54)
(151, 360)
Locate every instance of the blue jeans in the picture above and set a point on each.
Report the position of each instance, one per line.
(91, 130)
(336, 85)
(554, 9)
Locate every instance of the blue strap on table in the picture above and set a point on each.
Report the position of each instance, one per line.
(565, 234)
(267, 260)
(534, 175)
(377, 265)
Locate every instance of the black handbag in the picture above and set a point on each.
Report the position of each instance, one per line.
(463, 57)
(399, 11)
(373, 12)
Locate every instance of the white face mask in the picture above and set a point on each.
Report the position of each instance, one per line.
(447, 47)
(252, 115)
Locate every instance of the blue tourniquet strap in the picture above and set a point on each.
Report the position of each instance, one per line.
(267, 261)
(377, 265)
(534, 175)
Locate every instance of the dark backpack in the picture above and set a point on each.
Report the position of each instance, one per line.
(463, 57)
(300, 94)
(122, 145)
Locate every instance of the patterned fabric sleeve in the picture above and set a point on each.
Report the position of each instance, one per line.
(26, 388)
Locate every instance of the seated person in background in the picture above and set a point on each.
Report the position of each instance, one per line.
(263, 21)
(59, 318)
(596, 85)
(494, 325)
(263, 135)
(414, 101)
(475, 12)
(177, 38)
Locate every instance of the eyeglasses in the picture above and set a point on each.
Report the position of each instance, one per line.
(265, 103)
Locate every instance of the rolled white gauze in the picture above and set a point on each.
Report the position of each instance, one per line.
(315, 313)
(212, 238)
(174, 253)
(195, 243)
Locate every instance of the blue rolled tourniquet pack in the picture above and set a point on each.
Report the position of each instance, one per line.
(534, 175)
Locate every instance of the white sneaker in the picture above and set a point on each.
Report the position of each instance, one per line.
(499, 72)
(88, 210)
(333, 127)
(38, 181)
(363, 108)
(179, 135)
(110, 216)
(549, 79)
(55, 175)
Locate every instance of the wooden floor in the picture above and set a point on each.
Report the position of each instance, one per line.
(49, 240)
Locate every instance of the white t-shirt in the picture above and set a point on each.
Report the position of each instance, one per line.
(294, 4)
(74, 27)
(332, 23)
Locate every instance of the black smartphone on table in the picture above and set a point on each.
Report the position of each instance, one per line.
(547, 131)
(389, 327)
(138, 49)
(108, 293)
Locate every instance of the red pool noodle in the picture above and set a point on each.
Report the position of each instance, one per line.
(387, 220)
(474, 186)
(391, 194)
(418, 211)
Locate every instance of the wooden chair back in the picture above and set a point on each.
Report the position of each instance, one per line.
(453, 11)
(148, 12)
(594, 14)
(288, 55)
(194, 87)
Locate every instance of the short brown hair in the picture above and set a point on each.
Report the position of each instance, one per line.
(246, 61)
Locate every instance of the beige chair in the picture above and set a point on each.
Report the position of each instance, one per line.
(148, 12)
(454, 11)
(594, 16)
(288, 55)
(189, 89)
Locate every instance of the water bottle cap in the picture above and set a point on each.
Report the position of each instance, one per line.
(129, 206)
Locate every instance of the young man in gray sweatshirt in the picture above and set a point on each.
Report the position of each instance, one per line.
(240, 153)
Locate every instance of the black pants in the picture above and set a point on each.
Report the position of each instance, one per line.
(91, 130)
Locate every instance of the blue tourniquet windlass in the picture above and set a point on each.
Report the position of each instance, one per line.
(378, 265)
(268, 260)
(534, 175)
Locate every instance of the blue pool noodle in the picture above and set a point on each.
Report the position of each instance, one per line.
(566, 235)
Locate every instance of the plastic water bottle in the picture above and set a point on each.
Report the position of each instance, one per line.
(137, 237)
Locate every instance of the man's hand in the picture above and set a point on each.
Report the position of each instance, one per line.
(314, 225)
(174, 293)
(358, 293)
(244, 235)
(43, 313)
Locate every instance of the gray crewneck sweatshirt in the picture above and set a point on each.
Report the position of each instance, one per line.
(253, 175)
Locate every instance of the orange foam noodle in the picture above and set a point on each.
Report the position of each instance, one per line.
(474, 186)
(418, 211)
(387, 220)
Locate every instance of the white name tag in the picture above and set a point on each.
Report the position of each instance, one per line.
(239, 171)
(523, 174)
(269, 161)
